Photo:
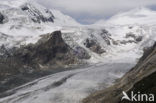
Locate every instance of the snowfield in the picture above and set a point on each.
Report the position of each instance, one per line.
(26, 26)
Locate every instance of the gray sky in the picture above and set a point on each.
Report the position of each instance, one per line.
(89, 11)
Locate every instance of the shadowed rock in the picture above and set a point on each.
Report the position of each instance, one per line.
(94, 46)
(49, 49)
(1, 18)
(81, 53)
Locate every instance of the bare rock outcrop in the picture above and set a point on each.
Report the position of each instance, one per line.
(94, 46)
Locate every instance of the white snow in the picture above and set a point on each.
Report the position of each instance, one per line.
(22, 29)
(140, 22)
(63, 20)
(13, 3)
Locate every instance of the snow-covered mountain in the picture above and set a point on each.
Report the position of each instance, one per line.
(29, 12)
(135, 27)
(118, 43)
(25, 20)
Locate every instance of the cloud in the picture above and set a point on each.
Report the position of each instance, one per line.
(92, 8)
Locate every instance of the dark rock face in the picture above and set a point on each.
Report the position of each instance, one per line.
(1, 18)
(106, 36)
(81, 53)
(141, 78)
(93, 46)
(127, 41)
(37, 16)
(136, 38)
(50, 52)
(132, 39)
(145, 86)
(24, 8)
(4, 52)
(49, 49)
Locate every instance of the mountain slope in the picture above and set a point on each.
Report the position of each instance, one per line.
(32, 60)
(139, 79)
(26, 20)
(125, 26)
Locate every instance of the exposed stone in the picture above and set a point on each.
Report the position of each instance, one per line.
(106, 36)
(1, 18)
(49, 49)
(136, 38)
(81, 53)
(94, 46)
(24, 8)
(115, 42)
(128, 35)
(50, 52)
(127, 41)
(139, 38)
(130, 27)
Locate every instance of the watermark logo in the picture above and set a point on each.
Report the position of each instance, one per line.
(138, 97)
(125, 96)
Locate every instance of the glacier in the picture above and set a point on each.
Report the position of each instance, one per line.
(68, 87)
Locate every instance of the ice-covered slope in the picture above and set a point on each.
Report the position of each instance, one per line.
(25, 20)
(31, 11)
(132, 30)
(63, 20)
